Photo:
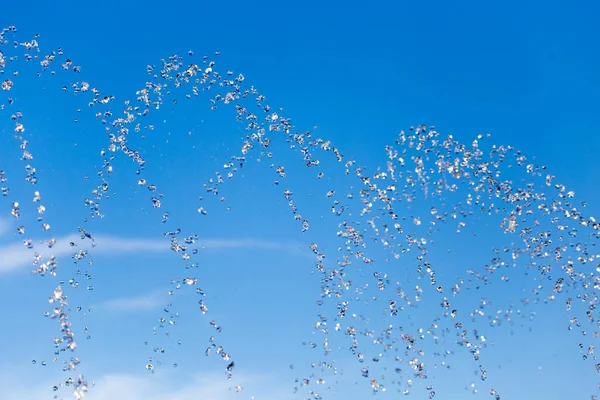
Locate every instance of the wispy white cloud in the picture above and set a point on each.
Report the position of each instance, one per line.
(217, 244)
(144, 302)
(15, 256)
(137, 387)
(163, 386)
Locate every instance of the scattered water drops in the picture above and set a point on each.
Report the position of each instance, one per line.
(377, 208)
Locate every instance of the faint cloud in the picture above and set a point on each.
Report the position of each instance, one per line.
(138, 387)
(16, 255)
(164, 386)
(252, 244)
(4, 226)
(148, 301)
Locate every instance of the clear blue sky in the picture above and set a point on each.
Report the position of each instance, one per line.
(525, 73)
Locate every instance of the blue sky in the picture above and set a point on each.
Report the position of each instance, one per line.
(522, 72)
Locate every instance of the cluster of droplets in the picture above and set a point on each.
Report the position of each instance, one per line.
(420, 163)
(58, 299)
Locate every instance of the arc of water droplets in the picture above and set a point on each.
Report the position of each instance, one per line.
(453, 171)
(457, 169)
(60, 312)
(118, 142)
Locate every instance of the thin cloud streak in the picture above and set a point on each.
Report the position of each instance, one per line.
(208, 386)
(15, 256)
(145, 302)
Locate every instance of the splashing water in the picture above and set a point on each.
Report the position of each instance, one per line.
(417, 260)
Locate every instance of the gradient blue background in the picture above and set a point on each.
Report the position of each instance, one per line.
(524, 72)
